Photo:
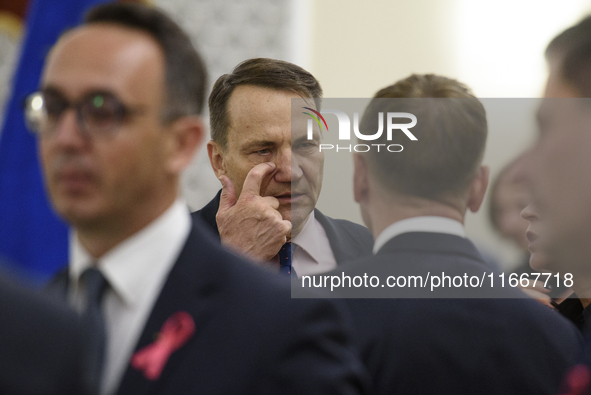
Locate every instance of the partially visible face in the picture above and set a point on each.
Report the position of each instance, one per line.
(559, 169)
(538, 258)
(511, 197)
(101, 180)
(261, 131)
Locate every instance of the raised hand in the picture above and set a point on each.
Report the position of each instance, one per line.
(251, 225)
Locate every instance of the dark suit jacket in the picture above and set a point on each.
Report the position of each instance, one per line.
(455, 346)
(249, 337)
(42, 346)
(347, 239)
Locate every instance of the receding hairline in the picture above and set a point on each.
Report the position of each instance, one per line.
(232, 98)
(142, 49)
(291, 92)
(115, 28)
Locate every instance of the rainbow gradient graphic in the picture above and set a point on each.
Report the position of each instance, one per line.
(316, 117)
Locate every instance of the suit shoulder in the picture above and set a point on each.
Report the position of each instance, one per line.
(60, 354)
(345, 229)
(206, 215)
(353, 228)
(197, 214)
(546, 318)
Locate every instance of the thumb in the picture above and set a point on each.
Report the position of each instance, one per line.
(228, 196)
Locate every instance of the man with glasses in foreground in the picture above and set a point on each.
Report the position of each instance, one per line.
(118, 119)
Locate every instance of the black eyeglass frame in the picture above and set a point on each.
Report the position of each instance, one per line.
(37, 114)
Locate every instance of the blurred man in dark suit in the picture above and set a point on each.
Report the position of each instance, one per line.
(118, 119)
(270, 184)
(43, 346)
(558, 167)
(414, 202)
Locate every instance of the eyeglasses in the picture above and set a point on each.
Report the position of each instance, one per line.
(98, 113)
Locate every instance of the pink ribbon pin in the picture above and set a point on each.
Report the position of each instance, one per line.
(577, 381)
(175, 332)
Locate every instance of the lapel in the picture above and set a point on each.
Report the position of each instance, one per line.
(344, 247)
(57, 287)
(190, 287)
(207, 214)
(434, 243)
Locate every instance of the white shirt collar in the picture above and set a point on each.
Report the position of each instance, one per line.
(308, 238)
(144, 258)
(313, 254)
(431, 224)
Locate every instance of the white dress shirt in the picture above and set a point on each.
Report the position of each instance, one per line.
(431, 224)
(313, 253)
(136, 271)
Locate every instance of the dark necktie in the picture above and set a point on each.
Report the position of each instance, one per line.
(95, 285)
(285, 258)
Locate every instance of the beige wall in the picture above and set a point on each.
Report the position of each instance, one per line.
(496, 47)
(359, 46)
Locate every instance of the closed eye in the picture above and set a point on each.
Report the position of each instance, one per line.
(305, 145)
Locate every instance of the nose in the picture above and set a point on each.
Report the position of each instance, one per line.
(529, 213)
(67, 133)
(284, 166)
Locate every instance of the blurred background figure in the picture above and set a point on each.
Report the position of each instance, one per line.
(508, 197)
(557, 169)
(513, 219)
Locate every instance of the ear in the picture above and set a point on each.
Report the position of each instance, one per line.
(187, 135)
(216, 158)
(478, 188)
(360, 178)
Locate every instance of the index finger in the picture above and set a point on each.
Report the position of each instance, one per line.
(254, 178)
